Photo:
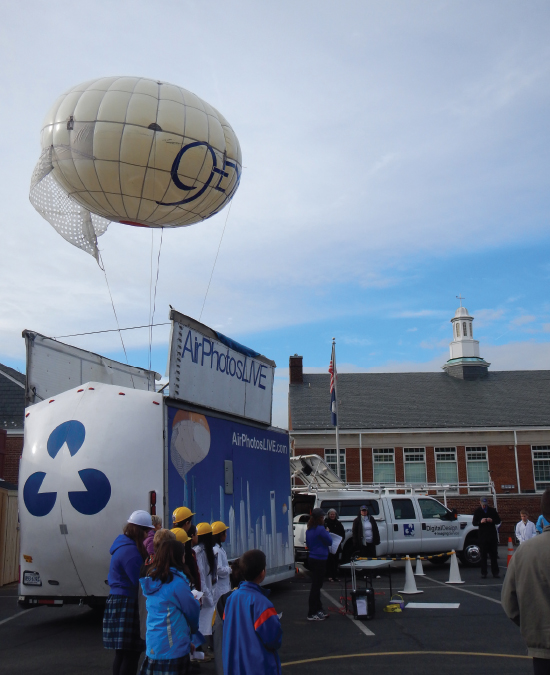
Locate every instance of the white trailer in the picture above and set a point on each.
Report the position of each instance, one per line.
(98, 451)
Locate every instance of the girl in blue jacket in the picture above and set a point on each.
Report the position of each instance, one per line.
(172, 613)
(121, 618)
(318, 542)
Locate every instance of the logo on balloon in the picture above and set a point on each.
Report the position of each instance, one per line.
(215, 170)
(89, 501)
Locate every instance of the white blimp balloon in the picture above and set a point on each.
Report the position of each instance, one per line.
(134, 151)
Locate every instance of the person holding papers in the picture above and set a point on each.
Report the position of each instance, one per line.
(334, 527)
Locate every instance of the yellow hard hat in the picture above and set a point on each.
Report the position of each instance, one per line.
(181, 513)
(181, 534)
(219, 527)
(204, 528)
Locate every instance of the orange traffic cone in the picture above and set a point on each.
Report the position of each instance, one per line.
(510, 550)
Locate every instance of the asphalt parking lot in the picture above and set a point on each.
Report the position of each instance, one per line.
(475, 637)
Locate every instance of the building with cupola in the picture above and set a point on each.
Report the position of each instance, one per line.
(470, 427)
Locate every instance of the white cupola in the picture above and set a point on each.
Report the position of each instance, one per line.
(465, 361)
(463, 343)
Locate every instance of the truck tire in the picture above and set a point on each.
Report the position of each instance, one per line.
(470, 556)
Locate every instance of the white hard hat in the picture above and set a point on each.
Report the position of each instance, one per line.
(141, 518)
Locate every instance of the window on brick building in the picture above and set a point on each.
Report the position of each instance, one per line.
(383, 460)
(477, 467)
(446, 469)
(541, 466)
(415, 465)
(339, 468)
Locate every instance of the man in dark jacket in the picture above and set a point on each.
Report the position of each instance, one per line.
(486, 519)
(365, 534)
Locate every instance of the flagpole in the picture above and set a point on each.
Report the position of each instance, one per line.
(336, 401)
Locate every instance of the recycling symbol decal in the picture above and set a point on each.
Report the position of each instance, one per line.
(88, 502)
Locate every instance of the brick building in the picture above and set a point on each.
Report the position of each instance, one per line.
(12, 415)
(466, 425)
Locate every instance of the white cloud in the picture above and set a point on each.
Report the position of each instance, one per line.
(524, 319)
(412, 330)
(484, 317)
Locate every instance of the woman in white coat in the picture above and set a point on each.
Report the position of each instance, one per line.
(223, 585)
(206, 562)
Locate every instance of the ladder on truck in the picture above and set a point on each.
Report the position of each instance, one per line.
(310, 473)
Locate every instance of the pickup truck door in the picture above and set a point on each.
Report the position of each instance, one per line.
(405, 527)
(440, 532)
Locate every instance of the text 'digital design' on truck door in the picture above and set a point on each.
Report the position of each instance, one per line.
(440, 531)
(225, 470)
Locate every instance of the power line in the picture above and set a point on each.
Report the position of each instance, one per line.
(111, 330)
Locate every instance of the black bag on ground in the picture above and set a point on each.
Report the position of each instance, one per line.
(362, 601)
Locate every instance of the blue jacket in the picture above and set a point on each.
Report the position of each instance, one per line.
(541, 524)
(252, 633)
(126, 562)
(318, 542)
(172, 616)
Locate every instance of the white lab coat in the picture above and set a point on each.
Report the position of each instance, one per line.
(207, 600)
(525, 531)
(223, 584)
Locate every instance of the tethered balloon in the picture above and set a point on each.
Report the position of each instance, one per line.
(134, 151)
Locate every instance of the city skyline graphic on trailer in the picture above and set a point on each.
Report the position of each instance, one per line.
(259, 512)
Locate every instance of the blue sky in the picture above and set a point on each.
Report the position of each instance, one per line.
(395, 154)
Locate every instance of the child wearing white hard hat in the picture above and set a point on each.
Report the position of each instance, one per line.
(121, 619)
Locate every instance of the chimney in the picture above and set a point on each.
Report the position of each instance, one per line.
(295, 369)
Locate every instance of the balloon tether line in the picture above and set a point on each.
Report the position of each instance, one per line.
(116, 317)
(150, 295)
(155, 298)
(215, 259)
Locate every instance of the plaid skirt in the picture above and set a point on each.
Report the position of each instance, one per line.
(121, 624)
(179, 666)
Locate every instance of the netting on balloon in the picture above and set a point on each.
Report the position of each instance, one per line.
(72, 221)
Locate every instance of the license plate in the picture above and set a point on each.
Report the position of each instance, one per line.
(31, 579)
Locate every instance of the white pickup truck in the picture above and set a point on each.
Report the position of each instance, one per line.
(410, 522)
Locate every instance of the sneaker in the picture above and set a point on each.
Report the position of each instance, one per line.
(316, 617)
(324, 614)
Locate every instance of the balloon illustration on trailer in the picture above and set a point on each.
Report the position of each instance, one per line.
(134, 151)
(190, 441)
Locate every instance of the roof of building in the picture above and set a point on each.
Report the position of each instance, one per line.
(12, 399)
(517, 398)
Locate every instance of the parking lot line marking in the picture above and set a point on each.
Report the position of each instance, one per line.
(464, 590)
(16, 615)
(433, 653)
(359, 624)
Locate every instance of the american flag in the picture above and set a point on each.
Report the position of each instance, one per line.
(332, 371)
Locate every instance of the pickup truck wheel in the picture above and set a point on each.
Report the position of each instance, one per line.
(471, 555)
(440, 560)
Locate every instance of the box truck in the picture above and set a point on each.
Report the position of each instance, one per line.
(97, 451)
